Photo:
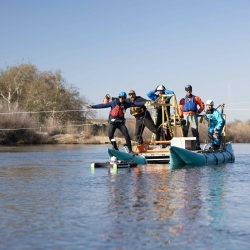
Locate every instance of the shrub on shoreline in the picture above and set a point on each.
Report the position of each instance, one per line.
(17, 127)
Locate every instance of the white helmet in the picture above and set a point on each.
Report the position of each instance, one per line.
(160, 87)
(210, 102)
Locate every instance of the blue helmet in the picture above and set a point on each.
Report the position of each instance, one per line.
(188, 87)
(123, 94)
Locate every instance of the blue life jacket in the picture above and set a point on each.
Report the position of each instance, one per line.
(190, 105)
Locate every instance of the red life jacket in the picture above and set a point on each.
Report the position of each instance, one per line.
(118, 111)
(160, 100)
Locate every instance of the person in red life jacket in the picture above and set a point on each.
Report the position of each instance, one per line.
(189, 111)
(116, 117)
(156, 95)
(142, 116)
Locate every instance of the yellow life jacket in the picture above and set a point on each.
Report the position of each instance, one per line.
(137, 110)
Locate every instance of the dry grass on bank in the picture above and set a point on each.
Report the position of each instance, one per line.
(16, 127)
(237, 131)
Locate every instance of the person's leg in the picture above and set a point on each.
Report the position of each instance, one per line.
(167, 134)
(194, 129)
(125, 133)
(111, 132)
(149, 123)
(210, 136)
(216, 139)
(186, 127)
(168, 111)
(158, 126)
(139, 128)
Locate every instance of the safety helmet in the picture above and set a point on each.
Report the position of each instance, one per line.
(188, 87)
(160, 87)
(123, 94)
(210, 102)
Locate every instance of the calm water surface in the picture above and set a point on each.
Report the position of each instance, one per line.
(50, 199)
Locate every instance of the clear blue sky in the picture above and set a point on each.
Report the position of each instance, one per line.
(112, 46)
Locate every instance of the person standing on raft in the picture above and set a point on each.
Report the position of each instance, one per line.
(188, 109)
(116, 117)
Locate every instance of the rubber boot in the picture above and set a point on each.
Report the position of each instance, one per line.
(114, 145)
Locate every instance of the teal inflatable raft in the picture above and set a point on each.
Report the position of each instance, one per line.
(126, 157)
(180, 156)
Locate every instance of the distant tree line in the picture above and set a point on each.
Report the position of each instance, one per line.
(23, 88)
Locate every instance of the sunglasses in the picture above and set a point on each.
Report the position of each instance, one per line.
(122, 97)
(131, 93)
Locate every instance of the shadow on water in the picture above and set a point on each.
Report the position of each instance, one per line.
(167, 207)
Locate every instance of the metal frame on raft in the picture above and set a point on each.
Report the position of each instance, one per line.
(158, 151)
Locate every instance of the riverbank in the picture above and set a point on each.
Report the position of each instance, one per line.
(237, 132)
(77, 139)
(82, 138)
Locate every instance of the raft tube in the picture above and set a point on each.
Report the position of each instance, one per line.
(180, 156)
(127, 157)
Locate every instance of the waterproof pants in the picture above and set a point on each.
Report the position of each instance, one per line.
(121, 126)
(191, 121)
(215, 138)
(140, 124)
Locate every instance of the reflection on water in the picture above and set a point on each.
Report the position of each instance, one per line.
(50, 199)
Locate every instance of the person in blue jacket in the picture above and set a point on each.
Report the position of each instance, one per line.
(116, 117)
(215, 124)
(155, 95)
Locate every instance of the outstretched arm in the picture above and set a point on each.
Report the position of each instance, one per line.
(100, 106)
(132, 104)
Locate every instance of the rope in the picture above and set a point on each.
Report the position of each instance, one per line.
(236, 109)
(79, 125)
(35, 112)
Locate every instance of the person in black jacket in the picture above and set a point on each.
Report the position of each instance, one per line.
(142, 116)
(116, 117)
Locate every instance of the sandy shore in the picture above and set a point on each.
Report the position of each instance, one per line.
(81, 139)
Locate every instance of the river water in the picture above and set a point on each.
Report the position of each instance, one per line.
(51, 199)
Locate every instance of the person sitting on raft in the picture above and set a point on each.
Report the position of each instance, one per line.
(116, 117)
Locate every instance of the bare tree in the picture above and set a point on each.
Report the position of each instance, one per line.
(12, 81)
(47, 93)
